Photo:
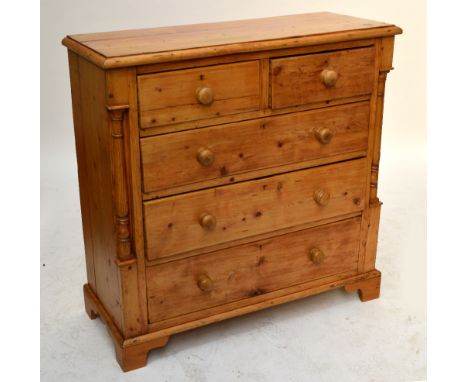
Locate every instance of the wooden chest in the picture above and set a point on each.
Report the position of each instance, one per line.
(225, 168)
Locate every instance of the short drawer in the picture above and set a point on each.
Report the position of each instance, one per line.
(193, 94)
(250, 270)
(319, 77)
(223, 151)
(201, 219)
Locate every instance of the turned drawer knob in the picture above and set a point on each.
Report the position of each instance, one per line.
(205, 283)
(316, 256)
(321, 197)
(205, 157)
(207, 221)
(205, 95)
(328, 77)
(324, 135)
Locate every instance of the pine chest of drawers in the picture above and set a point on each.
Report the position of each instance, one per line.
(225, 168)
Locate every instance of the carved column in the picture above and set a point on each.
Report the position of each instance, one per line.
(117, 126)
(373, 199)
(385, 54)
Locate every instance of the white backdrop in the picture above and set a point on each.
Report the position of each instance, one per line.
(395, 325)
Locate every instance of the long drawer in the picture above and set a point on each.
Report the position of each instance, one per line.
(246, 271)
(225, 151)
(201, 219)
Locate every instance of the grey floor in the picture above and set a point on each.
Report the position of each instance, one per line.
(329, 337)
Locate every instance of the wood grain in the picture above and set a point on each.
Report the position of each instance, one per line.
(246, 240)
(170, 97)
(80, 142)
(258, 55)
(254, 174)
(251, 208)
(246, 116)
(250, 270)
(94, 147)
(123, 43)
(223, 312)
(146, 46)
(296, 80)
(171, 160)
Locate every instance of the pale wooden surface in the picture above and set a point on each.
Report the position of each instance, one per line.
(188, 37)
(222, 312)
(148, 46)
(265, 112)
(255, 303)
(251, 208)
(275, 74)
(93, 150)
(253, 174)
(253, 269)
(80, 141)
(171, 160)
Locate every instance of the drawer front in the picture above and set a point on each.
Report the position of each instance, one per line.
(223, 151)
(205, 218)
(246, 271)
(192, 94)
(319, 77)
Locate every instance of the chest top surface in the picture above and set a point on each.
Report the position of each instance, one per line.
(146, 46)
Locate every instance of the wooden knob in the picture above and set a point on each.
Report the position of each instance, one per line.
(328, 77)
(324, 135)
(316, 256)
(207, 221)
(205, 95)
(205, 283)
(321, 197)
(205, 157)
